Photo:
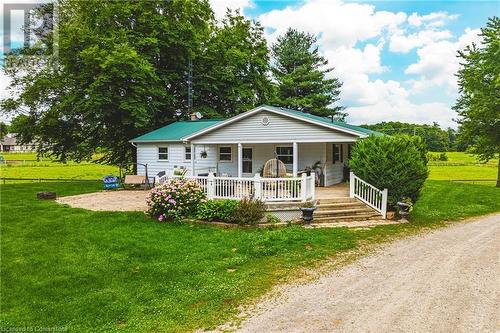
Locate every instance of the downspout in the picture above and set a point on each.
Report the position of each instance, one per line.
(135, 159)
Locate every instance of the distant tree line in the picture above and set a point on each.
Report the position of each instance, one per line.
(124, 68)
(435, 138)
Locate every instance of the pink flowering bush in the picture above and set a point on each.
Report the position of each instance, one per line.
(175, 199)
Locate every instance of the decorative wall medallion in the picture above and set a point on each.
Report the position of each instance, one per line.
(265, 120)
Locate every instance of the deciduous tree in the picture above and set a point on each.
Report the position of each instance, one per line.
(478, 105)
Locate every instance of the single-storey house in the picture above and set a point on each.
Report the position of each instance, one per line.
(9, 143)
(226, 158)
(239, 146)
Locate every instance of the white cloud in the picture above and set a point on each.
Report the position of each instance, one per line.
(337, 23)
(436, 19)
(220, 6)
(438, 62)
(403, 110)
(342, 26)
(405, 43)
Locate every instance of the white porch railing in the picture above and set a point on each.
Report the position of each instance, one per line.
(369, 194)
(265, 189)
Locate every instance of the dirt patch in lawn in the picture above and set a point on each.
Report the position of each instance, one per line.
(117, 201)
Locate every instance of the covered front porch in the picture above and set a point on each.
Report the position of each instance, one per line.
(329, 160)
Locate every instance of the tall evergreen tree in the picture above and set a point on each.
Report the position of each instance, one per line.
(300, 73)
(479, 85)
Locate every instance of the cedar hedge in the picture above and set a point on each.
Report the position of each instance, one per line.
(398, 163)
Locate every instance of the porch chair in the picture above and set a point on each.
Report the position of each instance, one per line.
(274, 168)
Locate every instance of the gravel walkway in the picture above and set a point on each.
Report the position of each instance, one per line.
(445, 281)
(116, 201)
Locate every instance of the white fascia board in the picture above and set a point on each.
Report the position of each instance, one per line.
(261, 108)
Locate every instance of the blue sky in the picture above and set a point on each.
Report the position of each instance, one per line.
(396, 58)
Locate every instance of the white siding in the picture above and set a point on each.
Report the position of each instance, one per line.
(279, 129)
(147, 153)
(308, 154)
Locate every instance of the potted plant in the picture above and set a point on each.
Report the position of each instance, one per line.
(307, 211)
(405, 207)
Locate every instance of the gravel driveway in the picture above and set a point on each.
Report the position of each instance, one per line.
(445, 281)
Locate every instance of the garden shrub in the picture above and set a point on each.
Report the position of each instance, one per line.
(248, 211)
(272, 219)
(216, 210)
(398, 163)
(175, 199)
(437, 157)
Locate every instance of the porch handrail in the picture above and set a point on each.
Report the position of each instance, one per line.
(369, 194)
(266, 189)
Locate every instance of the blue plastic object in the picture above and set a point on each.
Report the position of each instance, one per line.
(110, 182)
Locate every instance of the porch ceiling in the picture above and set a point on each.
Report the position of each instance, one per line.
(244, 141)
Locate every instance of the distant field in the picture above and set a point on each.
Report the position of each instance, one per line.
(470, 168)
(27, 166)
(22, 157)
(461, 158)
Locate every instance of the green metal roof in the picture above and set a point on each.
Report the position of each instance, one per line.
(176, 131)
(325, 120)
(181, 129)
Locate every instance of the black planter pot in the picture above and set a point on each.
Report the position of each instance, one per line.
(404, 209)
(307, 214)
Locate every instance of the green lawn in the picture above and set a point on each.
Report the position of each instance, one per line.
(96, 271)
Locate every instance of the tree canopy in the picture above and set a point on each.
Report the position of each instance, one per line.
(478, 105)
(435, 138)
(231, 75)
(300, 73)
(121, 70)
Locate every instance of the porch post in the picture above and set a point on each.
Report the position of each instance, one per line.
(303, 187)
(313, 186)
(193, 156)
(351, 184)
(295, 159)
(210, 186)
(385, 193)
(240, 160)
(257, 186)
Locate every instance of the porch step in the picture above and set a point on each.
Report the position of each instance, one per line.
(343, 209)
(345, 212)
(337, 200)
(340, 205)
(350, 218)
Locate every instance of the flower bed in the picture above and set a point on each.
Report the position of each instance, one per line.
(175, 199)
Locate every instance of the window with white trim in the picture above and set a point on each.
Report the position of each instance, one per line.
(187, 153)
(285, 154)
(337, 153)
(225, 154)
(163, 153)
